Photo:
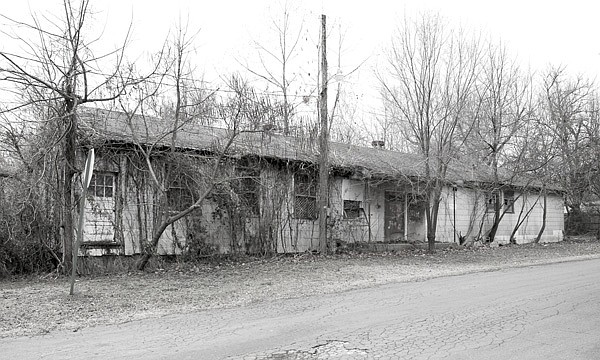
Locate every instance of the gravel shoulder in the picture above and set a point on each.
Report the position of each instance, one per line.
(37, 305)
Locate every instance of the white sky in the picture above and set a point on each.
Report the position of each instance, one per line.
(539, 32)
(565, 32)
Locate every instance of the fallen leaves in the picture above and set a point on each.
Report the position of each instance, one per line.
(38, 305)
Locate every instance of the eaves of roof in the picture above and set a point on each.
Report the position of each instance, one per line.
(114, 126)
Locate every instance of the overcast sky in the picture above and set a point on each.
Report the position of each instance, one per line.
(565, 32)
(539, 32)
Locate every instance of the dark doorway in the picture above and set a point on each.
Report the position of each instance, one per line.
(394, 216)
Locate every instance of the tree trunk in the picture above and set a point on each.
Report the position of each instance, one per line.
(521, 218)
(153, 243)
(539, 236)
(165, 222)
(67, 193)
(432, 214)
(494, 228)
(513, 233)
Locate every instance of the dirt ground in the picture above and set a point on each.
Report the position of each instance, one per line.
(37, 305)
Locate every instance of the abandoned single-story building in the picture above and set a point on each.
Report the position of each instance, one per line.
(264, 192)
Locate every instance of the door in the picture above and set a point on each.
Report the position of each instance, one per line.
(415, 218)
(394, 216)
(100, 209)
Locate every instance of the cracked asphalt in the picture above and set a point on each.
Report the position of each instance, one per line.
(538, 312)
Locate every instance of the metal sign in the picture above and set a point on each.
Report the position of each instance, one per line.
(89, 169)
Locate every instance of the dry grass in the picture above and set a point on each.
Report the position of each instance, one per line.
(39, 305)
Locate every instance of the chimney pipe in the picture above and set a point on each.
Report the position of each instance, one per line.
(378, 144)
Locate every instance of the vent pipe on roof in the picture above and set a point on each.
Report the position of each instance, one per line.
(270, 127)
(378, 144)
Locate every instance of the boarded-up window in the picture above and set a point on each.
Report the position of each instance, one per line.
(490, 201)
(102, 185)
(509, 201)
(305, 197)
(352, 209)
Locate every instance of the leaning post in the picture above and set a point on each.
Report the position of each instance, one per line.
(87, 177)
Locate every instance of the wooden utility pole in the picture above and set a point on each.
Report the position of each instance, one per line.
(323, 144)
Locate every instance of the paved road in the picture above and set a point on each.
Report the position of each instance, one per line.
(541, 312)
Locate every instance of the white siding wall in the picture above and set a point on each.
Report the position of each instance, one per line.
(131, 224)
(531, 226)
(471, 216)
(294, 235)
(299, 235)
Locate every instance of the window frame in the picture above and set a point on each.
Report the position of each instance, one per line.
(491, 199)
(95, 185)
(180, 194)
(179, 198)
(508, 202)
(305, 190)
(247, 188)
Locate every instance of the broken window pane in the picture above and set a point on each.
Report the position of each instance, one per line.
(352, 209)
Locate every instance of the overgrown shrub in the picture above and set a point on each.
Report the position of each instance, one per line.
(29, 239)
(582, 222)
(196, 245)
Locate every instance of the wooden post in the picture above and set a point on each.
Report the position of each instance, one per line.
(87, 177)
(454, 189)
(405, 216)
(323, 145)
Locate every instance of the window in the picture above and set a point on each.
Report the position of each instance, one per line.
(305, 197)
(509, 201)
(180, 194)
(352, 209)
(179, 198)
(247, 188)
(490, 201)
(102, 185)
(416, 208)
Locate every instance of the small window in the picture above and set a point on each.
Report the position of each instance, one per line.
(490, 201)
(509, 201)
(102, 185)
(305, 197)
(352, 209)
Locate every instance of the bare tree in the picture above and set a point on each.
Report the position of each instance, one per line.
(567, 113)
(534, 160)
(55, 71)
(279, 65)
(503, 106)
(172, 103)
(429, 82)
